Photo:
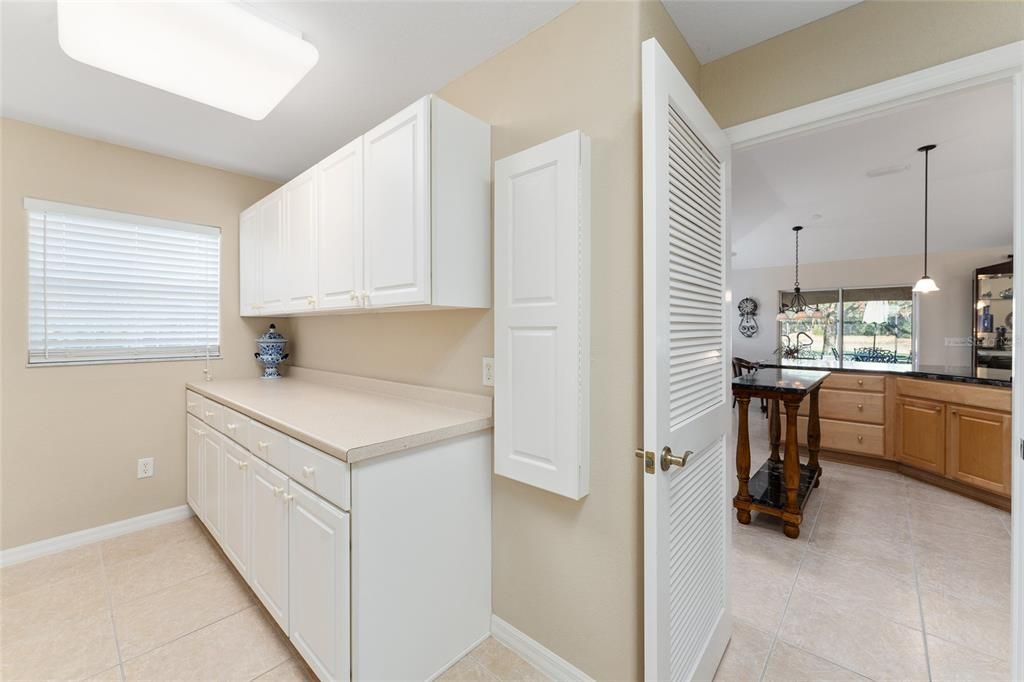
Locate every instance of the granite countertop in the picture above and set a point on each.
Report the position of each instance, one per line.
(352, 418)
(960, 374)
(783, 380)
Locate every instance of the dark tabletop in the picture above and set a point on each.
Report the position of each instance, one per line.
(780, 380)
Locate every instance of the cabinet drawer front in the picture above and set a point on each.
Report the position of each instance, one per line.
(323, 474)
(850, 406)
(194, 403)
(874, 383)
(212, 413)
(864, 439)
(236, 427)
(269, 445)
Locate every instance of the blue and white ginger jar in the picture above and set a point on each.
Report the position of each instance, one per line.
(271, 352)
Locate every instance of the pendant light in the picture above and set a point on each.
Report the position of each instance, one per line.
(797, 308)
(926, 284)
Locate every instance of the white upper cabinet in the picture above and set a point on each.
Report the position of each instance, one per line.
(340, 220)
(397, 218)
(249, 294)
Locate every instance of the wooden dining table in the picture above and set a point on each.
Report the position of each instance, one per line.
(781, 486)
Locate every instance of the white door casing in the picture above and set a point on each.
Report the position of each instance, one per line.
(686, 162)
(340, 228)
(542, 316)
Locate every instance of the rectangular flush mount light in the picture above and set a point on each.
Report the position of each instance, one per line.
(215, 51)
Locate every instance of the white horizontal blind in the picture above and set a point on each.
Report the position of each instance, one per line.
(109, 287)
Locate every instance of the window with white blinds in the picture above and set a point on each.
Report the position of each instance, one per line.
(114, 287)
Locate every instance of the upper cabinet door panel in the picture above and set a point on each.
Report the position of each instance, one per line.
(396, 160)
(340, 228)
(300, 242)
(271, 253)
(249, 294)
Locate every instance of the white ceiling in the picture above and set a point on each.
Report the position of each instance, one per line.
(824, 173)
(716, 28)
(375, 57)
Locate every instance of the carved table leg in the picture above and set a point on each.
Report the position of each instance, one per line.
(774, 428)
(814, 437)
(791, 466)
(743, 460)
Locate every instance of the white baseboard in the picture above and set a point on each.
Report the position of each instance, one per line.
(34, 550)
(534, 653)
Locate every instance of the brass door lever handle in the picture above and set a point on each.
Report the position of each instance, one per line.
(669, 460)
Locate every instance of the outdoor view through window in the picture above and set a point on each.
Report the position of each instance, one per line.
(858, 328)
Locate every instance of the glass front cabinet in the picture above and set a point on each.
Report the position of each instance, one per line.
(993, 321)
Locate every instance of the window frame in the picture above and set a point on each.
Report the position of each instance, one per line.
(34, 205)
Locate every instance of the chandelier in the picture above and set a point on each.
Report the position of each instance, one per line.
(797, 308)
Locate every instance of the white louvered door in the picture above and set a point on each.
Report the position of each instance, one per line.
(686, 403)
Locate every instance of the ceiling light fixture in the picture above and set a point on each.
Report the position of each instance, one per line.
(926, 284)
(216, 52)
(797, 308)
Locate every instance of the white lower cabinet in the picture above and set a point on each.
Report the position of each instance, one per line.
(319, 584)
(234, 505)
(211, 456)
(194, 450)
(268, 570)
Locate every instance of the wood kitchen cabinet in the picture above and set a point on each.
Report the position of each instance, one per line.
(979, 448)
(921, 434)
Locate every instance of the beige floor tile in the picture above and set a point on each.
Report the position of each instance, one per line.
(895, 559)
(291, 670)
(979, 520)
(134, 545)
(760, 590)
(878, 497)
(745, 656)
(69, 651)
(158, 618)
(505, 664)
(108, 675)
(918, 491)
(45, 570)
(162, 568)
(886, 527)
(767, 544)
(469, 669)
(953, 573)
(81, 595)
(953, 663)
(858, 640)
(239, 647)
(790, 664)
(937, 537)
(984, 628)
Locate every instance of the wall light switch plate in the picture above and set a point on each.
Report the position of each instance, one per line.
(145, 467)
(488, 378)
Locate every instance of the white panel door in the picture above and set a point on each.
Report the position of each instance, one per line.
(249, 295)
(213, 445)
(234, 505)
(340, 228)
(686, 402)
(268, 568)
(319, 584)
(271, 254)
(300, 242)
(542, 335)
(396, 219)
(194, 464)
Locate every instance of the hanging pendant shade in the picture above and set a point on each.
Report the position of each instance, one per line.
(926, 284)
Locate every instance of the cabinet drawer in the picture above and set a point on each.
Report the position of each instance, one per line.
(236, 427)
(864, 439)
(212, 413)
(269, 445)
(323, 474)
(874, 383)
(193, 403)
(849, 406)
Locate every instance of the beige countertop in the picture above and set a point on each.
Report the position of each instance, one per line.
(352, 418)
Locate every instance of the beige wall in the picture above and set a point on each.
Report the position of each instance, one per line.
(71, 435)
(943, 314)
(867, 43)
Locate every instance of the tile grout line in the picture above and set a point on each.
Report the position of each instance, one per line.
(110, 611)
(192, 632)
(917, 583)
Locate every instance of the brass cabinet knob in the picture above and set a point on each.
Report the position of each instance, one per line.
(860, 439)
(669, 460)
(860, 382)
(860, 407)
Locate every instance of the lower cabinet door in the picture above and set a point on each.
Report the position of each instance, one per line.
(319, 582)
(979, 448)
(921, 434)
(268, 548)
(234, 506)
(194, 464)
(211, 458)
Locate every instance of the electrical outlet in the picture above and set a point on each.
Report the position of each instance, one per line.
(488, 371)
(145, 467)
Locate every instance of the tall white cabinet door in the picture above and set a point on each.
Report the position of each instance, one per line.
(271, 254)
(340, 228)
(213, 446)
(249, 295)
(194, 464)
(234, 502)
(541, 316)
(396, 162)
(300, 242)
(319, 581)
(268, 515)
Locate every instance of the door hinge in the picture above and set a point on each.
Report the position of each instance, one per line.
(648, 458)
(1022, 448)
